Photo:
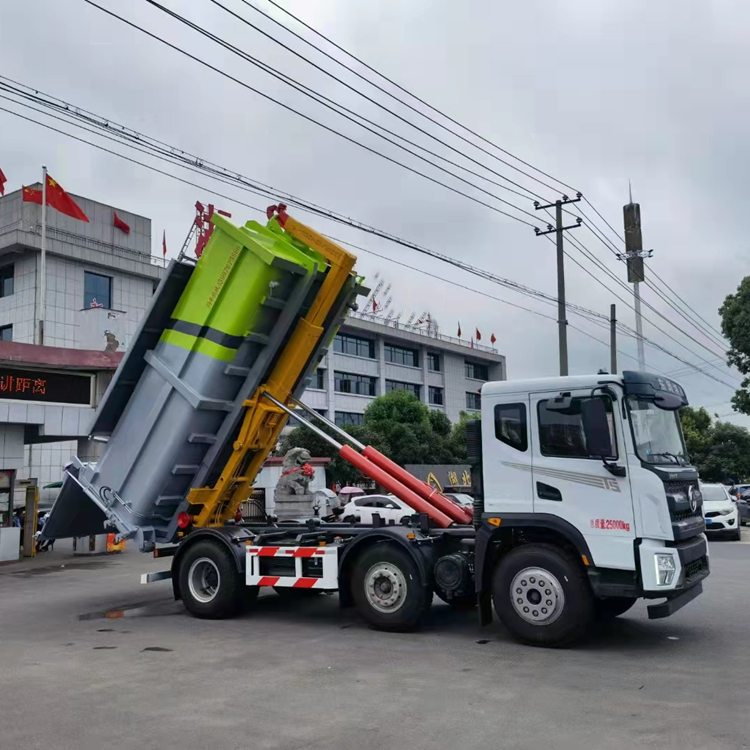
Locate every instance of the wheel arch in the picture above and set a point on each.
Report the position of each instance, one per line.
(227, 536)
(422, 555)
(514, 529)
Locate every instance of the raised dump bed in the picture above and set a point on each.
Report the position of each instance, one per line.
(216, 330)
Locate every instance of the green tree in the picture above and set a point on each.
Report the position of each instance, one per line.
(735, 324)
(458, 435)
(719, 450)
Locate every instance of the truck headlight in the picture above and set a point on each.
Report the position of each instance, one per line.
(665, 570)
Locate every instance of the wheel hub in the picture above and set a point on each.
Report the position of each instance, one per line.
(385, 587)
(537, 596)
(203, 579)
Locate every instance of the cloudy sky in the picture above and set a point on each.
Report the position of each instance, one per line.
(595, 93)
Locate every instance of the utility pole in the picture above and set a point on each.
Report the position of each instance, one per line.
(558, 229)
(613, 339)
(634, 257)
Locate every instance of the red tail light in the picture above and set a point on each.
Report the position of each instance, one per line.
(183, 519)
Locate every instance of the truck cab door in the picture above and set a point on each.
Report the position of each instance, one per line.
(506, 448)
(577, 487)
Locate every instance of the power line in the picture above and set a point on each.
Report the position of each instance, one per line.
(380, 88)
(676, 296)
(361, 93)
(322, 125)
(514, 286)
(409, 93)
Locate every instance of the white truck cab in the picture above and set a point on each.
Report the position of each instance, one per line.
(599, 461)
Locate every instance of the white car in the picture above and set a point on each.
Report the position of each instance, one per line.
(720, 511)
(388, 507)
(466, 500)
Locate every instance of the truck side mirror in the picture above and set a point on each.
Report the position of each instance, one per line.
(596, 428)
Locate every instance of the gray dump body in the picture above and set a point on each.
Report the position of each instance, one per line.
(171, 414)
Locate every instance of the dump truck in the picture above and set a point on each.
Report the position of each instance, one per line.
(584, 497)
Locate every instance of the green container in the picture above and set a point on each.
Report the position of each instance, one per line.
(239, 268)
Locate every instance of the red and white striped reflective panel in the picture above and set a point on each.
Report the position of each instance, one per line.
(327, 555)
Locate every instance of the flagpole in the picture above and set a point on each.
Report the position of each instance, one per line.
(43, 264)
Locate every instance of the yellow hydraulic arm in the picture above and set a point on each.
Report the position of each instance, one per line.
(263, 421)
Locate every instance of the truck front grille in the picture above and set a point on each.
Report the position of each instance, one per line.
(696, 569)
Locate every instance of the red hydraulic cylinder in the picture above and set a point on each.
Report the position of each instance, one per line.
(382, 477)
(451, 508)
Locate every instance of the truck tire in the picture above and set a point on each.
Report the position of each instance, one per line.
(613, 606)
(542, 595)
(211, 586)
(388, 589)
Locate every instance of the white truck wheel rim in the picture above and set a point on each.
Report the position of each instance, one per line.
(537, 596)
(385, 587)
(204, 580)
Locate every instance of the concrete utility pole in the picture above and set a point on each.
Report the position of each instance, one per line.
(634, 257)
(613, 339)
(558, 229)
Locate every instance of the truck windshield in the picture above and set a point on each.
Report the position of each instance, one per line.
(656, 433)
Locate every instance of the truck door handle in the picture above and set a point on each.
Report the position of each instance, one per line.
(547, 492)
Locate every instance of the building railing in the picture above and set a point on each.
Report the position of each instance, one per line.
(420, 330)
(86, 242)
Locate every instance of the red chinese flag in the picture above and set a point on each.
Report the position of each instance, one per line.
(493, 339)
(459, 330)
(120, 224)
(164, 243)
(374, 305)
(57, 198)
(3, 180)
(30, 195)
(479, 335)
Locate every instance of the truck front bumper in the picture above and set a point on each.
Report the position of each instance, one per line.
(691, 569)
(673, 603)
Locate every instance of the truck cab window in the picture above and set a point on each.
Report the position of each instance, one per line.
(510, 426)
(561, 432)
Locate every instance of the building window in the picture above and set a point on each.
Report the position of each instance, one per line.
(6, 280)
(473, 401)
(510, 426)
(344, 418)
(435, 395)
(399, 355)
(561, 432)
(362, 385)
(97, 290)
(433, 362)
(322, 412)
(359, 347)
(397, 385)
(319, 379)
(477, 371)
(6, 333)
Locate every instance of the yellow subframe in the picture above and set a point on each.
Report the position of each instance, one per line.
(263, 422)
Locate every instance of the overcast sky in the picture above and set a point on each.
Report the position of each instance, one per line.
(592, 92)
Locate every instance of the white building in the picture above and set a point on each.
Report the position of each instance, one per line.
(371, 356)
(99, 281)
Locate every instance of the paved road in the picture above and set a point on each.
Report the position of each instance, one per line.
(293, 678)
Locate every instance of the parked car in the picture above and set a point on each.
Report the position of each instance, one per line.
(388, 507)
(743, 506)
(720, 511)
(466, 500)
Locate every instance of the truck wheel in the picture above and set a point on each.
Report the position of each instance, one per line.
(210, 584)
(388, 589)
(613, 606)
(542, 596)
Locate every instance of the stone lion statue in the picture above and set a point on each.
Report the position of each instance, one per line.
(297, 473)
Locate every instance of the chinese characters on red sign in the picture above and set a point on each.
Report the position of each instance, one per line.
(13, 384)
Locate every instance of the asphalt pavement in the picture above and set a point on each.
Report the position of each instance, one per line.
(89, 659)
